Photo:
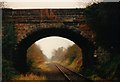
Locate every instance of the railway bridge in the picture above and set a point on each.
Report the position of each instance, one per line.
(33, 24)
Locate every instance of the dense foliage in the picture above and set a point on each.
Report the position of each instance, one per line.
(71, 56)
(8, 45)
(35, 57)
(104, 19)
(8, 41)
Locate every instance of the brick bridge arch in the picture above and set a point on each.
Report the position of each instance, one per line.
(69, 33)
(33, 24)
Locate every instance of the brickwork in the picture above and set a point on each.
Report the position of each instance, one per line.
(32, 24)
(27, 20)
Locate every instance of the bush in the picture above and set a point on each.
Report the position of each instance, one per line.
(8, 70)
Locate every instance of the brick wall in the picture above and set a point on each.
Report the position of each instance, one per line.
(26, 20)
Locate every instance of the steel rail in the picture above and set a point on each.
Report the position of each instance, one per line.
(74, 73)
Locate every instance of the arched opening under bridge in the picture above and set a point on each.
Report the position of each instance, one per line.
(71, 34)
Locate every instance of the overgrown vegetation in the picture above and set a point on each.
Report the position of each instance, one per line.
(104, 19)
(8, 71)
(72, 56)
(30, 77)
(35, 57)
(8, 41)
(8, 45)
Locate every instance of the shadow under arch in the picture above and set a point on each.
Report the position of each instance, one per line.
(20, 59)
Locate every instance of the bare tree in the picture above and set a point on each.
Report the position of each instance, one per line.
(3, 4)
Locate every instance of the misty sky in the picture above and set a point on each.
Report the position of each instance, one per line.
(21, 4)
(48, 44)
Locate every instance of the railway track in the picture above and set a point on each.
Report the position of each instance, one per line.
(72, 76)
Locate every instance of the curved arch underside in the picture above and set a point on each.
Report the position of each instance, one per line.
(71, 34)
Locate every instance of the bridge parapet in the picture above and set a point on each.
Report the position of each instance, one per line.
(45, 15)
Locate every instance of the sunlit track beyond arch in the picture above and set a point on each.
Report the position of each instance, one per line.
(71, 34)
(69, 76)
